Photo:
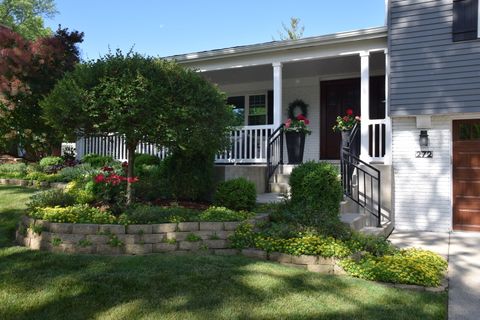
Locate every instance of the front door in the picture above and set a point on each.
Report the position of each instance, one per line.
(336, 97)
(466, 175)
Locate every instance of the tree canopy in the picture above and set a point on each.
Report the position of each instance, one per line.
(26, 16)
(28, 71)
(144, 99)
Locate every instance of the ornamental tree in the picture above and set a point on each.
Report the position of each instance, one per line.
(144, 99)
(28, 71)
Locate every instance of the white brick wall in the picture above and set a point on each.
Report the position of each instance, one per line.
(422, 187)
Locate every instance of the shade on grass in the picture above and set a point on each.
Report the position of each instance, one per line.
(41, 285)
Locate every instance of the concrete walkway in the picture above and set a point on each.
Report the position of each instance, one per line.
(462, 249)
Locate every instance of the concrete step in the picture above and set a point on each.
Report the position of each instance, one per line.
(279, 187)
(281, 178)
(355, 221)
(286, 168)
(348, 205)
(385, 230)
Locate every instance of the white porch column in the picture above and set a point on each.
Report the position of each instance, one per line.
(364, 103)
(388, 124)
(277, 94)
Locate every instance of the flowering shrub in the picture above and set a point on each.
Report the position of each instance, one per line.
(347, 122)
(298, 124)
(110, 187)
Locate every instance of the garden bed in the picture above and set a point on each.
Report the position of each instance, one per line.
(131, 239)
(33, 183)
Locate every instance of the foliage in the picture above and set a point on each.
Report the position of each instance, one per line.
(346, 122)
(79, 213)
(42, 177)
(50, 161)
(192, 237)
(13, 170)
(146, 160)
(316, 192)
(236, 194)
(145, 214)
(50, 198)
(28, 72)
(224, 214)
(292, 32)
(97, 161)
(144, 99)
(26, 16)
(188, 176)
(81, 191)
(410, 266)
(78, 172)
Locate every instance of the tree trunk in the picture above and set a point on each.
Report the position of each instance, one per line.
(131, 147)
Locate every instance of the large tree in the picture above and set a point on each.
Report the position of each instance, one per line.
(143, 99)
(26, 16)
(28, 71)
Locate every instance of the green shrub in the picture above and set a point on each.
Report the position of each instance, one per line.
(224, 214)
(188, 176)
(146, 160)
(145, 214)
(73, 214)
(316, 194)
(13, 170)
(50, 161)
(42, 177)
(78, 172)
(81, 191)
(152, 184)
(410, 266)
(236, 194)
(50, 198)
(97, 161)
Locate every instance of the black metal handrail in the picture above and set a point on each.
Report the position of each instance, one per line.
(274, 153)
(369, 197)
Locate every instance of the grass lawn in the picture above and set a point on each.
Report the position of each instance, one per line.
(40, 285)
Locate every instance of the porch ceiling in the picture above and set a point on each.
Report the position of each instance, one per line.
(311, 68)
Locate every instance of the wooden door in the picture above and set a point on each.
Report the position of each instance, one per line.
(466, 175)
(336, 97)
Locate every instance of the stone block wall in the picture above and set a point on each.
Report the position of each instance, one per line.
(131, 239)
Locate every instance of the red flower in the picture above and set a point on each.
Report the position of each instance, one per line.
(349, 112)
(99, 178)
(346, 118)
(107, 169)
(132, 180)
(301, 117)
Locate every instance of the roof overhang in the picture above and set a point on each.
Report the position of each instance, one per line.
(281, 46)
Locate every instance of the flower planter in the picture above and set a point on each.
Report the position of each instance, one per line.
(295, 146)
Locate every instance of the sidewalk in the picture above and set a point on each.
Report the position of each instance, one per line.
(462, 249)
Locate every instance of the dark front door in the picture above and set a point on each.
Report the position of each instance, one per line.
(466, 175)
(336, 97)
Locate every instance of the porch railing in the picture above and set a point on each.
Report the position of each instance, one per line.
(361, 181)
(377, 139)
(247, 145)
(274, 153)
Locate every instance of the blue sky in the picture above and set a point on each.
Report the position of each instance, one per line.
(167, 27)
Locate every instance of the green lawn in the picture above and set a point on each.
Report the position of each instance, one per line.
(39, 285)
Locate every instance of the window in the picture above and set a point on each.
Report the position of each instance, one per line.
(257, 110)
(252, 110)
(238, 104)
(465, 20)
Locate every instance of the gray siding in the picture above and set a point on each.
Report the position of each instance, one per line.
(429, 73)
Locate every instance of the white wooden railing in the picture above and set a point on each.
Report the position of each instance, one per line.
(247, 145)
(377, 139)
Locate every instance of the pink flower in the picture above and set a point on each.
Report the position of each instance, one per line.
(132, 180)
(349, 112)
(288, 123)
(357, 118)
(301, 117)
(346, 118)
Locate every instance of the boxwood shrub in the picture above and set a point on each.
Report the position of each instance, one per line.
(50, 198)
(50, 161)
(97, 161)
(236, 194)
(316, 192)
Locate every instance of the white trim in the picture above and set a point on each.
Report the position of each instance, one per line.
(388, 121)
(364, 104)
(277, 94)
(478, 19)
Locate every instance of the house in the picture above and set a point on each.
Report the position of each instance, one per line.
(416, 85)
